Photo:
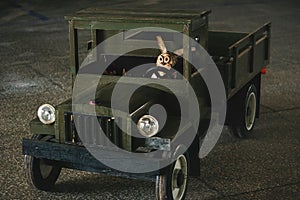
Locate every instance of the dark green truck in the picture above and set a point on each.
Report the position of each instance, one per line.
(66, 135)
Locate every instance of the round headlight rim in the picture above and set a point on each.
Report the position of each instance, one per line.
(142, 132)
(39, 112)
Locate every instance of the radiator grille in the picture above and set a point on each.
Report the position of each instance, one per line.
(88, 130)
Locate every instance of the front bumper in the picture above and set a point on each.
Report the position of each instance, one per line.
(78, 157)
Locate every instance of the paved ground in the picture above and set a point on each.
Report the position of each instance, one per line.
(34, 70)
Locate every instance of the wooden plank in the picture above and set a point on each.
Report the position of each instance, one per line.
(167, 13)
(37, 127)
(94, 41)
(219, 41)
(186, 52)
(248, 56)
(162, 84)
(171, 16)
(128, 138)
(78, 157)
(234, 55)
(73, 39)
(120, 25)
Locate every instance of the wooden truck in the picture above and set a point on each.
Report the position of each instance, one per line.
(58, 143)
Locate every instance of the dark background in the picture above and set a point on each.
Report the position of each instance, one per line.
(34, 70)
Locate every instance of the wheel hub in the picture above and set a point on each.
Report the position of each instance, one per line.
(250, 111)
(180, 178)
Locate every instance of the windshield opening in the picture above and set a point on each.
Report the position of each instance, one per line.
(142, 62)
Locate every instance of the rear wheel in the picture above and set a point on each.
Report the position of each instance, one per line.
(244, 128)
(172, 185)
(38, 173)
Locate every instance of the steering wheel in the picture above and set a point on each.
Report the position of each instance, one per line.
(166, 73)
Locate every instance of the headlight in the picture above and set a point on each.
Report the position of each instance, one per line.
(46, 113)
(148, 126)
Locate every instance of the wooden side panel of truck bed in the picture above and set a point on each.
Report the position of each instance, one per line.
(240, 56)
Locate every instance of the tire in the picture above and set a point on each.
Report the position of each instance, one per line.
(39, 174)
(172, 185)
(245, 127)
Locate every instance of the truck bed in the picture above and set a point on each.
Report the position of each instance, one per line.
(239, 56)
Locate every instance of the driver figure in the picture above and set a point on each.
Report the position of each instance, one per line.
(166, 59)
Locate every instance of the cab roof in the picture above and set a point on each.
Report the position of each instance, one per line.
(117, 15)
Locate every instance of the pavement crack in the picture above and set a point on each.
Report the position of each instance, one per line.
(280, 115)
(281, 110)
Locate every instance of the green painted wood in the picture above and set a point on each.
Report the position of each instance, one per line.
(73, 42)
(172, 16)
(249, 56)
(97, 18)
(220, 41)
(37, 127)
(120, 25)
(239, 56)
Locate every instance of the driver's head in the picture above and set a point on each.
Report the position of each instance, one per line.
(167, 60)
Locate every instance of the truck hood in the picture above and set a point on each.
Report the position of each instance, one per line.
(132, 93)
(144, 94)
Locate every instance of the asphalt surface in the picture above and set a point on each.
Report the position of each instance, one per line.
(34, 70)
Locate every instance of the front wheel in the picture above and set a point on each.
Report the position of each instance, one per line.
(38, 173)
(248, 114)
(172, 185)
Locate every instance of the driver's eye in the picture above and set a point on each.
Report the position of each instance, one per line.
(160, 59)
(167, 59)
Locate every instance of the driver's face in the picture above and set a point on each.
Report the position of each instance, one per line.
(166, 60)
